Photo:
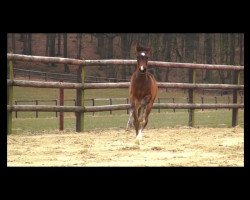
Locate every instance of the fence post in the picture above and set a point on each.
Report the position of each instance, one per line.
(93, 104)
(80, 99)
(202, 101)
(56, 105)
(215, 100)
(36, 102)
(61, 114)
(173, 102)
(16, 111)
(159, 101)
(9, 98)
(127, 103)
(236, 80)
(110, 102)
(191, 76)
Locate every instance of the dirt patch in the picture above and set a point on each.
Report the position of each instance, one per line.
(159, 147)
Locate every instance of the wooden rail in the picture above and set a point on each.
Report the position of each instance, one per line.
(117, 62)
(47, 108)
(41, 84)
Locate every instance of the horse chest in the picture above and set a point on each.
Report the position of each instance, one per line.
(140, 87)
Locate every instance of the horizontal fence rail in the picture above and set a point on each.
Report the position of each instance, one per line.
(123, 99)
(45, 108)
(118, 107)
(40, 84)
(116, 62)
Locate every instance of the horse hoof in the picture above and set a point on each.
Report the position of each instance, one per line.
(137, 141)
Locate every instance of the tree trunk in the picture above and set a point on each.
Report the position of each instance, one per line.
(51, 50)
(126, 42)
(208, 51)
(47, 45)
(179, 56)
(241, 41)
(25, 42)
(100, 45)
(79, 45)
(168, 43)
(221, 72)
(59, 45)
(189, 49)
(13, 43)
(65, 53)
(52, 45)
(232, 56)
(111, 71)
(29, 44)
(22, 36)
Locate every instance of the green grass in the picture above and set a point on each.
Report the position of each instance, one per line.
(26, 121)
(207, 118)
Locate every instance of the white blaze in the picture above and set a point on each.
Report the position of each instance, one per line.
(142, 68)
(143, 54)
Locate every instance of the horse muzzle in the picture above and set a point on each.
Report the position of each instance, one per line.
(142, 69)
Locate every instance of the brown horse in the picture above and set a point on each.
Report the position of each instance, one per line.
(142, 93)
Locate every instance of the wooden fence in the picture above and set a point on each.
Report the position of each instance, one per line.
(81, 86)
(110, 101)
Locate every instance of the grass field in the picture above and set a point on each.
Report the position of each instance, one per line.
(26, 121)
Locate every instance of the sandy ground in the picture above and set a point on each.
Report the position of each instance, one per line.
(159, 147)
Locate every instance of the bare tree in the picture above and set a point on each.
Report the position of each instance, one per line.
(13, 43)
(241, 41)
(100, 45)
(110, 72)
(126, 42)
(29, 45)
(189, 47)
(208, 51)
(222, 73)
(25, 44)
(168, 47)
(47, 45)
(51, 47)
(58, 44)
(232, 55)
(65, 43)
(79, 45)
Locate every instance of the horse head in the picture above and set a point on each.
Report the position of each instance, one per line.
(142, 58)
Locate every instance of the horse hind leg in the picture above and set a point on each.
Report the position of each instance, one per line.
(141, 113)
(148, 110)
(141, 124)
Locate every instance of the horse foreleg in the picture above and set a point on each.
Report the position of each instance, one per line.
(130, 119)
(135, 116)
(148, 110)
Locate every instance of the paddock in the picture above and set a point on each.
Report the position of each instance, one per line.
(168, 147)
